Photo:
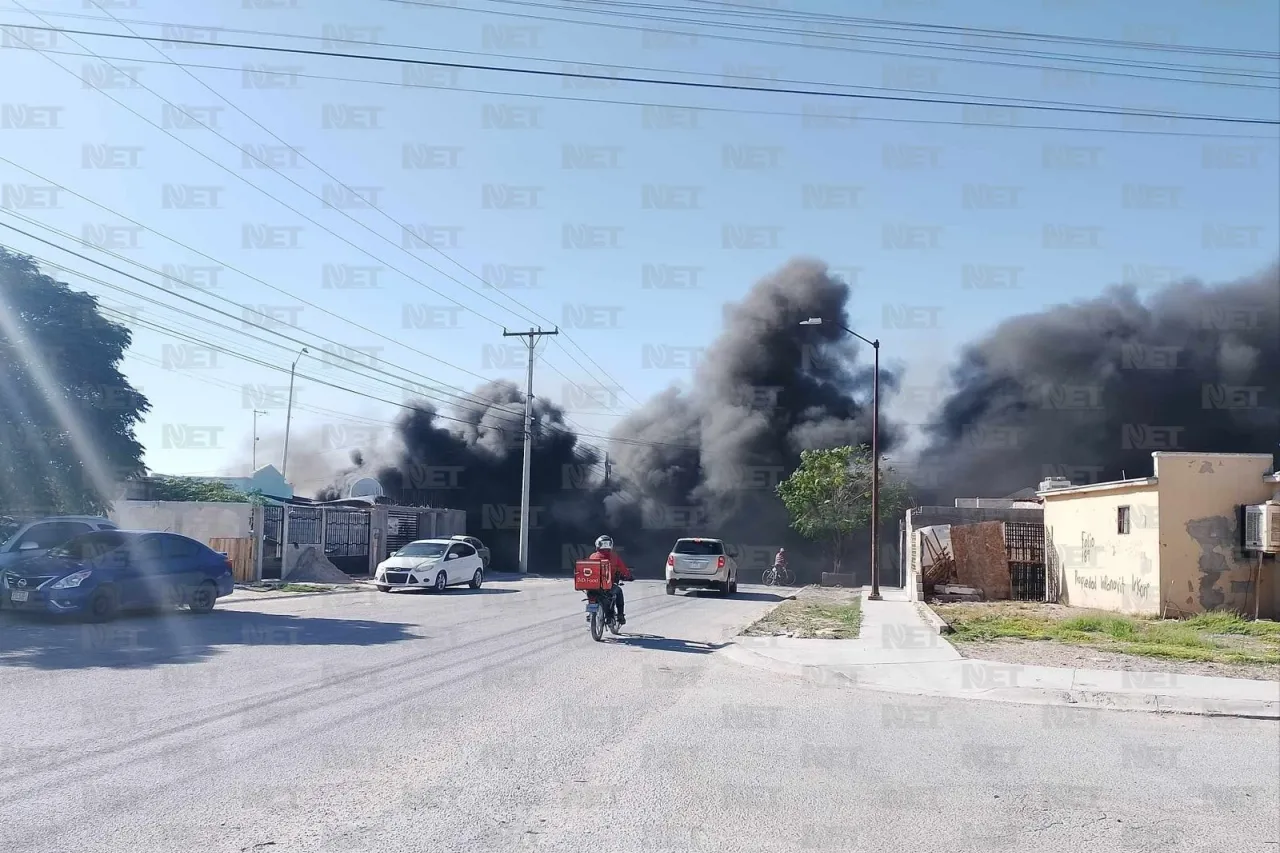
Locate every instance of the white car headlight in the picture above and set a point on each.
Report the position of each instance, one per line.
(73, 580)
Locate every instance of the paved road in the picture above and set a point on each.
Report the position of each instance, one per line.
(488, 721)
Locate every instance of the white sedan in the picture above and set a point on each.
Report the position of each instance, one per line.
(430, 564)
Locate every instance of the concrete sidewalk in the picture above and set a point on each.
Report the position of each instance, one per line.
(899, 651)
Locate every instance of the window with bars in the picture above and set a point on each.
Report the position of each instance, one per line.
(1122, 519)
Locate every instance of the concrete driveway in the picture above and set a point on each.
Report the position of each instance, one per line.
(488, 720)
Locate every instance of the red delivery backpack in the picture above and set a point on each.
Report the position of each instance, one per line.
(592, 575)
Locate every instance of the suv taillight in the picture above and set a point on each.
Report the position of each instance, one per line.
(671, 560)
(720, 563)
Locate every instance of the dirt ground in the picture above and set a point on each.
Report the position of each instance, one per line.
(1084, 656)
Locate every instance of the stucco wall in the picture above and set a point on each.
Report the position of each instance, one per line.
(1201, 566)
(1094, 564)
(199, 520)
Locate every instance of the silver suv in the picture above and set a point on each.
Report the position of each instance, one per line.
(701, 564)
(34, 538)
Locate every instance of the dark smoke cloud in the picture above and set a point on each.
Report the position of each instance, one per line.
(708, 459)
(689, 462)
(1089, 390)
(1086, 390)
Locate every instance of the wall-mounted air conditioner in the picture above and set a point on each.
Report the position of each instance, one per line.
(1262, 528)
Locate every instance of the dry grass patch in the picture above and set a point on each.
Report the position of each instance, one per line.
(817, 614)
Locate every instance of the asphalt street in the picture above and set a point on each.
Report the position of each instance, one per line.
(490, 721)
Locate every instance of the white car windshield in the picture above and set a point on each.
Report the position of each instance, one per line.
(422, 549)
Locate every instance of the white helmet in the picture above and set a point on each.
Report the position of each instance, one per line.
(604, 543)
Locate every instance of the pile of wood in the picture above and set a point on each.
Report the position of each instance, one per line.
(940, 567)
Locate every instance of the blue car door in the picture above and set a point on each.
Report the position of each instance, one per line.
(183, 570)
(139, 579)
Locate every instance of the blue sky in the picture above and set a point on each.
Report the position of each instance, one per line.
(901, 209)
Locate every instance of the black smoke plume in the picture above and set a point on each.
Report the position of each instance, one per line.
(702, 461)
(1089, 390)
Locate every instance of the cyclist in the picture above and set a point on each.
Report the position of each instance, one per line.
(605, 551)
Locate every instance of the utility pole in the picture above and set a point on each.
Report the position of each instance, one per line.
(288, 417)
(533, 335)
(256, 412)
(606, 468)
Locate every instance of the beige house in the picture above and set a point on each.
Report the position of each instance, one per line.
(1166, 545)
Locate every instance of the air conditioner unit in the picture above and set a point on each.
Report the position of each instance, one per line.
(1262, 528)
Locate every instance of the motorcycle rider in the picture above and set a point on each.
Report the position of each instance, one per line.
(604, 551)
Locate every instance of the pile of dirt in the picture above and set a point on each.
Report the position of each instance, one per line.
(312, 565)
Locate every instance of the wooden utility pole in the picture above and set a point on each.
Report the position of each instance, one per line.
(533, 335)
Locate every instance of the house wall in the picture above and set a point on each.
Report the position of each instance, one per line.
(1201, 565)
(1093, 564)
(197, 519)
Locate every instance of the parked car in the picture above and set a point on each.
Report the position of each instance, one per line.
(699, 563)
(481, 548)
(34, 538)
(431, 564)
(102, 573)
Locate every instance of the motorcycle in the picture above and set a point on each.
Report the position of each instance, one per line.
(601, 614)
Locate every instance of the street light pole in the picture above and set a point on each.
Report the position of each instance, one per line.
(256, 412)
(288, 417)
(875, 458)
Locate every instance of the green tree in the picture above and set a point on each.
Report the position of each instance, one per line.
(67, 414)
(829, 495)
(164, 488)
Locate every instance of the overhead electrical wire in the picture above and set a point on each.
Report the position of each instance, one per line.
(690, 84)
(948, 29)
(294, 341)
(462, 395)
(305, 189)
(1248, 73)
(611, 67)
(514, 415)
(826, 20)
(812, 116)
(814, 45)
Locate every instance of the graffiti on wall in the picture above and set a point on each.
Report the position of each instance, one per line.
(1135, 587)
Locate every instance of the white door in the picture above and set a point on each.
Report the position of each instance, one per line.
(463, 566)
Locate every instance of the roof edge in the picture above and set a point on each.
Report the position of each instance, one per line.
(1114, 485)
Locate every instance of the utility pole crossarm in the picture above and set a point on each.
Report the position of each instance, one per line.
(526, 480)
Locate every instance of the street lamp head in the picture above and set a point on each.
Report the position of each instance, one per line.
(812, 321)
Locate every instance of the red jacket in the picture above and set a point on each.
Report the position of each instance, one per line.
(620, 569)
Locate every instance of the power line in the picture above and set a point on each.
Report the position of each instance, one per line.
(689, 84)
(880, 23)
(834, 37)
(332, 177)
(808, 116)
(222, 348)
(463, 395)
(281, 202)
(801, 15)
(327, 40)
(294, 341)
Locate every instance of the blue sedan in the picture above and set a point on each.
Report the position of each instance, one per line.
(99, 574)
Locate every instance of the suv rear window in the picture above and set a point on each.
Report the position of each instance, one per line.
(700, 547)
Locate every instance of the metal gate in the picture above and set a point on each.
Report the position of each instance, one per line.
(346, 539)
(1024, 544)
(272, 521)
(402, 528)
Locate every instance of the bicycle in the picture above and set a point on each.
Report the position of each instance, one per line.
(778, 576)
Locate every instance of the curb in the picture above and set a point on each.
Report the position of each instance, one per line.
(264, 595)
(935, 621)
(1153, 703)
